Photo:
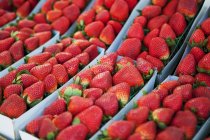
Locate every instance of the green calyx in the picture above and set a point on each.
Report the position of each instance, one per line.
(76, 121)
(51, 136)
(202, 70)
(170, 42)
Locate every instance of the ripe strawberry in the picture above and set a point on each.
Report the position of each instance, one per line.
(53, 61)
(33, 3)
(5, 59)
(86, 17)
(170, 8)
(162, 92)
(83, 44)
(108, 3)
(94, 29)
(143, 55)
(4, 35)
(86, 117)
(79, 35)
(186, 66)
(107, 35)
(145, 67)
(74, 10)
(179, 27)
(73, 49)
(119, 130)
(3, 20)
(60, 5)
(60, 73)
(16, 50)
(187, 122)
(26, 23)
(61, 24)
(163, 116)
(7, 79)
(155, 61)
(117, 26)
(136, 31)
(141, 20)
(72, 66)
(27, 30)
(66, 41)
(151, 11)
(185, 91)
(83, 58)
(138, 115)
(201, 92)
(9, 16)
(47, 129)
(78, 104)
(160, 3)
(125, 48)
(198, 53)
(103, 16)
(169, 85)
(24, 9)
(84, 78)
(171, 133)
(122, 92)
(203, 64)
(92, 93)
(55, 48)
(80, 3)
(77, 132)
(42, 27)
(99, 5)
(25, 80)
(12, 89)
(11, 29)
(47, 6)
(21, 35)
(146, 101)
(41, 71)
(188, 8)
(13, 107)
(203, 79)
(55, 108)
(131, 4)
(50, 83)
(124, 61)
(63, 120)
(109, 59)
(173, 101)
(53, 15)
(39, 18)
(101, 68)
(135, 136)
(6, 43)
(38, 59)
(198, 38)
(186, 79)
(152, 34)
(62, 57)
(205, 27)
(31, 43)
(43, 37)
(157, 22)
(70, 90)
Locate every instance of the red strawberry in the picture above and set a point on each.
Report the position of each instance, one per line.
(13, 107)
(47, 129)
(77, 132)
(60, 5)
(4, 35)
(43, 37)
(56, 108)
(168, 34)
(152, 34)
(31, 43)
(73, 49)
(92, 50)
(72, 66)
(41, 71)
(78, 104)
(60, 73)
(61, 24)
(42, 27)
(24, 9)
(201, 92)
(198, 38)
(135, 136)
(50, 83)
(109, 59)
(186, 66)
(99, 5)
(39, 18)
(39, 58)
(83, 58)
(7, 79)
(92, 93)
(47, 6)
(79, 35)
(171, 133)
(83, 44)
(80, 3)
(151, 11)
(107, 35)
(108, 3)
(155, 61)
(146, 101)
(170, 8)
(157, 22)
(119, 10)
(188, 8)
(86, 117)
(143, 55)
(138, 115)
(86, 17)
(131, 4)
(125, 48)
(66, 41)
(84, 78)
(124, 61)
(205, 27)
(74, 10)
(5, 59)
(173, 101)
(33, 3)
(162, 92)
(26, 23)
(186, 79)
(11, 29)
(117, 26)
(94, 29)
(103, 16)
(179, 27)
(185, 91)
(55, 48)
(27, 30)
(63, 120)
(16, 50)
(62, 57)
(203, 79)
(26, 80)
(145, 67)
(9, 16)
(21, 35)
(12, 89)
(141, 20)
(3, 21)
(169, 85)
(53, 15)
(101, 68)
(198, 53)
(147, 130)
(6, 43)
(160, 3)
(163, 116)
(186, 121)
(203, 64)
(53, 61)
(136, 31)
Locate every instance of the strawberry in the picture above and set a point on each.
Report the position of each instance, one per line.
(41, 71)
(107, 35)
(39, 58)
(151, 11)
(162, 116)
(202, 78)
(66, 41)
(26, 80)
(72, 66)
(84, 78)
(62, 57)
(60, 73)
(6, 43)
(74, 10)
(125, 48)
(53, 15)
(5, 59)
(170, 8)
(55, 48)
(77, 132)
(47, 129)
(102, 80)
(9, 16)
(145, 67)
(86, 117)
(117, 26)
(109, 59)
(198, 38)
(185, 91)
(179, 27)
(126, 73)
(79, 35)
(101, 68)
(26, 23)
(201, 92)
(31, 43)
(7, 79)
(186, 79)
(169, 85)
(155, 61)
(147, 130)
(186, 121)
(188, 8)
(157, 22)
(86, 17)
(173, 101)
(136, 31)
(33, 3)
(39, 18)
(138, 115)
(63, 120)
(141, 20)
(16, 50)
(152, 34)
(104, 103)
(143, 55)
(12, 89)
(119, 130)
(78, 104)
(27, 30)
(160, 3)
(99, 5)
(198, 53)
(108, 3)
(60, 5)
(146, 101)
(50, 83)
(171, 133)
(122, 92)
(83, 44)
(205, 27)
(11, 29)
(203, 65)
(42, 27)
(124, 61)
(80, 3)
(55, 108)
(94, 29)
(4, 35)
(73, 49)
(186, 66)
(47, 6)
(162, 92)
(53, 61)
(13, 107)
(131, 4)
(3, 21)
(43, 37)
(61, 24)
(83, 58)
(119, 10)
(70, 90)
(103, 16)
(135, 136)
(24, 10)
(21, 35)
(92, 93)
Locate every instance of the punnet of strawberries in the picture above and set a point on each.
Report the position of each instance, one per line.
(172, 111)
(42, 74)
(9, 10)
(156, 34)
(97, 94)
